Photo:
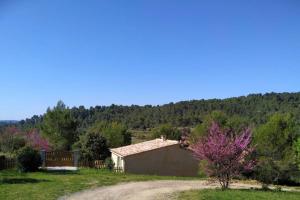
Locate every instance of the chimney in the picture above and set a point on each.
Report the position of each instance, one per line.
(163, 138)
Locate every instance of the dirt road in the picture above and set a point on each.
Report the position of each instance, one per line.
(148, 190)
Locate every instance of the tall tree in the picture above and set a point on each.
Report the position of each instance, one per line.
(60, 127)
(275, 142)
(297, 149)
(115, 133)
(230, 123)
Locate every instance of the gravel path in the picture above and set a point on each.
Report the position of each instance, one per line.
(148, 190)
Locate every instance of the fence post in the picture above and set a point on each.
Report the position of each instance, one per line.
(43, 156)
(76, 157)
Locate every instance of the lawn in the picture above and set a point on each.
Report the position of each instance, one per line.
(238, 195)
(51, 185)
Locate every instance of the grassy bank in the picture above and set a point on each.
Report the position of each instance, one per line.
(51, 185)
(238, 195)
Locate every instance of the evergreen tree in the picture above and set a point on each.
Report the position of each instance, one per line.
(59, 126)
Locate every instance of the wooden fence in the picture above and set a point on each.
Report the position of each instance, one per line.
(59, 158)
(7, 163)
(98, 164)
(118, 170)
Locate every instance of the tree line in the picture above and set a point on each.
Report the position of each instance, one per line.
(254, 108)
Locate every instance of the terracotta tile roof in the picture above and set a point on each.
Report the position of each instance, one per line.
(143, 146)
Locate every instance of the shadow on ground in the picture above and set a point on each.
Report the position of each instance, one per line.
(59, 172)
(21, 180)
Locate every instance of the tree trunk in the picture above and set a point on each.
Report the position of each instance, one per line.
(224, 181)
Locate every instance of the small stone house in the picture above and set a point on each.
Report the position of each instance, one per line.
(156, 157)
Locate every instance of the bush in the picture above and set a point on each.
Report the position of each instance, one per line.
(28, 160)
(115, 133)
(266, 172)
(11, 140)
(109, 163)
(167, 131)
(93, 147)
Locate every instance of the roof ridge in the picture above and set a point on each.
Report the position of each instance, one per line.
(143, 146)
(156, 139)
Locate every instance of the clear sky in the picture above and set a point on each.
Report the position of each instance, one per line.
(91, 53)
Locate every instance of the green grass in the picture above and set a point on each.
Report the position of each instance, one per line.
(238, 195)
(51, 185)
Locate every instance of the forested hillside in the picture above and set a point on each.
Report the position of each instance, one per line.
(256, 108)
(7, 122)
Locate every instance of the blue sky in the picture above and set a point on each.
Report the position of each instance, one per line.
(143, 51)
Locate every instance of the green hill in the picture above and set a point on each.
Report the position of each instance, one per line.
(255, 107)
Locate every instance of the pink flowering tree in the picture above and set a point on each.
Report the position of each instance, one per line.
(36, 141)
(226, 154)
(13, 138)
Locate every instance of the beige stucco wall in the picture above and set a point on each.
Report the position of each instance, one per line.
(118, 160)
(168, 161)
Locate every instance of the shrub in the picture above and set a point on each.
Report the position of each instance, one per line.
(93, 147)
(167, 131)
(28, 159)
(115, 133)
(11, 140)
(109, 163)
(266, 172)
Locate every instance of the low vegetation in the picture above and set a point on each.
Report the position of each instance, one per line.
(28, 160)
(51, 185)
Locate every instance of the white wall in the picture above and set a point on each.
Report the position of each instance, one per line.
(118, 160)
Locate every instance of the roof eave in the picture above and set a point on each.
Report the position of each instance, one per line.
(112, 151)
